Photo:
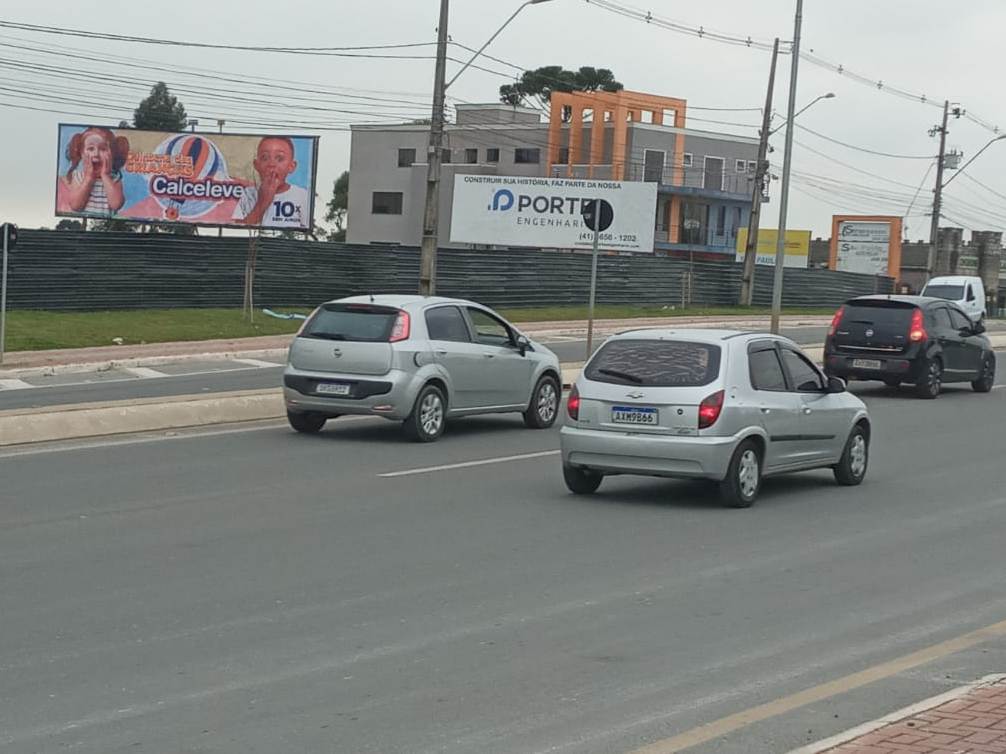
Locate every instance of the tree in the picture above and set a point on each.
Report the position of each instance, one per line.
(541, 82)
(68, 224)
(160, 111)
(338, 207)
(112, 225)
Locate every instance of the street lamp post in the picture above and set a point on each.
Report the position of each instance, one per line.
(434, 159)
(964, 167)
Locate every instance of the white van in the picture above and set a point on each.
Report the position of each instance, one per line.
(965, 291)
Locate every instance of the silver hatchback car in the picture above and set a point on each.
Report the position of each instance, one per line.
(731, 407)
(418, 360)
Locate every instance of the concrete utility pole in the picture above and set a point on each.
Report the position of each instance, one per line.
(934, 227)
(431, 217)
(761, 173)
(780, 246)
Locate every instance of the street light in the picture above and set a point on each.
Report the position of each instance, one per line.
(431, 216)
(802, 110)
(966, 164)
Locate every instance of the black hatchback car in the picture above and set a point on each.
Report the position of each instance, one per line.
(909, 339)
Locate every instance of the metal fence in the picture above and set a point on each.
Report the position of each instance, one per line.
(99, 271)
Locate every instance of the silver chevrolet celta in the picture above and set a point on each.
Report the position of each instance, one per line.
(418, 360)
(732, 407)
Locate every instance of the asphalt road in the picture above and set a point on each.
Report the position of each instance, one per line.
(253, 590)
(222, 376)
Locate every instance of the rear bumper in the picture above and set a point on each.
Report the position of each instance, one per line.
(898, 366)
(391, 395)
(624, 453)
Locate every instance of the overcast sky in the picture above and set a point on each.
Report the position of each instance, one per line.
(923, 46)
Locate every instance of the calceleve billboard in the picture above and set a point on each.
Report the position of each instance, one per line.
(202, 179)
(523, 211)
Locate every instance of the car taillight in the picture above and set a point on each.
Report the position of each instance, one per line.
(710, 409)
(573, 404)
(836, 321)
(917, 331)
(403, 325)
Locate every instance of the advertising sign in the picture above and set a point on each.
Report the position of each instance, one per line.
(196, 178)
(521, 211)
(797, 247)
(869, 244)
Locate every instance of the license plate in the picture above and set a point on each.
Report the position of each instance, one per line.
(634, 415)
(866, 364)
(332, 388)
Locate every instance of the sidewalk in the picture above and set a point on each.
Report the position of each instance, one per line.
(273, 346)
(969, 719)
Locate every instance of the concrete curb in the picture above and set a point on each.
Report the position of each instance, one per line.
(866, 728)
(271, 354)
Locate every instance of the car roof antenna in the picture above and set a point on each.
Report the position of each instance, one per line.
(371, 298)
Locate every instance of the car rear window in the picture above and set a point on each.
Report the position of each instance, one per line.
(656, 363)
(351, 322)
(949, 292)
(882, 313)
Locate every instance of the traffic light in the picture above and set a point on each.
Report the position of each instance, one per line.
(9, 231)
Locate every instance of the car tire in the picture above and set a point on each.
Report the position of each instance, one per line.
(581, 481)
(850, 471)
(931, 380)
(744, 476)
(892, 382)
(987, 379)
(306, 423)
(429, 416)
(544, 407)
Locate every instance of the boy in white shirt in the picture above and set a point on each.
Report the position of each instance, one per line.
(274, 203)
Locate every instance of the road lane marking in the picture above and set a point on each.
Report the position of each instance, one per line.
(257, 363)
(145, 372)
(15, 385)
(469, 464)
(732, 723)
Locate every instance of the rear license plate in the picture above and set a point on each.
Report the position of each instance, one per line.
(332, 388)
(634, 415)
(866, 364)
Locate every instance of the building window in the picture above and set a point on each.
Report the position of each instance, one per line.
(694, 223)
(406, 158)
(564, 156)
(741, 166)
(492, 155)
(687, 161)
(471, 156)
(527, 156)
(387, 203)
(445, 156)
(752, 166)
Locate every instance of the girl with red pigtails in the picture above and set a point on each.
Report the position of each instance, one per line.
(93, 183)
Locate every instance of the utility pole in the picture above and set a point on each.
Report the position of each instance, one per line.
(934, 228)
(780, 245)
(431, 220)
(761, 173)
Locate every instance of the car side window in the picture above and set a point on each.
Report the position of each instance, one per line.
(489, 331)
(960, 320)
(942, 318)
(447, 323)
(806, 377)
(971, 293)
(766, 370)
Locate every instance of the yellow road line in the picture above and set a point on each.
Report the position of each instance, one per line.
(731, 723)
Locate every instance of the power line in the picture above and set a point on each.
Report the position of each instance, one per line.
(874, 152)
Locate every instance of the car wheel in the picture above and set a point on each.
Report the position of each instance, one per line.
(743, 481)
(581, 481)
(544, 408)
(426, 422)
(306, 423)
(987, 378)
(892, 382)
(851, 470)
(931, 381)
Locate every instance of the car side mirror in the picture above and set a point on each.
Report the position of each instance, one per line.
(979, 328)
(523, 344)
(836, 385)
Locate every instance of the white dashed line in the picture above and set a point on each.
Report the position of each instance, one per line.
(144, 372)
(257, 363)
(469, 464)
(14, 385)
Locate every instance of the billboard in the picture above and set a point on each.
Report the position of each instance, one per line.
(797, 247)
(869, 244)
(264, 181)
(546, 212)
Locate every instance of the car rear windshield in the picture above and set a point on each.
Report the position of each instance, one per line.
(351, 322)
(949, 292)
(656, 363)
(886, 314)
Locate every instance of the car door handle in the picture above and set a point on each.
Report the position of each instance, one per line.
(489, 355)
(807, 410)
(766, 411)
(441, 352)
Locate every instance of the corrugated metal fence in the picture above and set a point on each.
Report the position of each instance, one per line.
(90, 271)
